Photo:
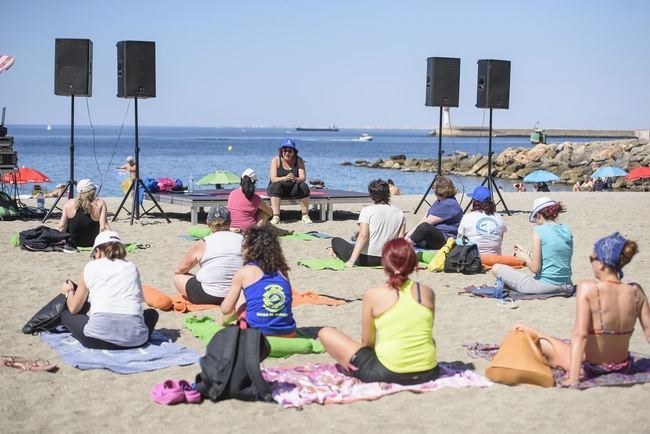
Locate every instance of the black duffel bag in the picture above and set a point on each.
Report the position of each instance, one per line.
(464, 259)
(48, 318)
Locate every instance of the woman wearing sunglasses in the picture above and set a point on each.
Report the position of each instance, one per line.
(288, 175)
(606, 312)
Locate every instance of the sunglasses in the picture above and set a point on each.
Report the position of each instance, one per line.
(287, 150)
(592, 258)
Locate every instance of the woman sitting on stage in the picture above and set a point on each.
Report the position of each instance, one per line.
(287, 179)
(85, 216)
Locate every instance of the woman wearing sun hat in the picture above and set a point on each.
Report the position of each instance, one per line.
(287, 179)
(549, 257)
(85, 216)
(105, 308)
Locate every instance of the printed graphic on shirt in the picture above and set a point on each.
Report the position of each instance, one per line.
(274, 301)
(488, 227)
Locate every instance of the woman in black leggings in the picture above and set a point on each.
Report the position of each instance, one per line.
(105, 309)
(442, 219)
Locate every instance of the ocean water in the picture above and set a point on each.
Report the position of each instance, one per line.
(178, 152)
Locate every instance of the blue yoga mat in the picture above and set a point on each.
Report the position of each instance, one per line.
(159, 353)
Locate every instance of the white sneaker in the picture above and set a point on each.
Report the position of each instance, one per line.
(306, 220)
(275, 220)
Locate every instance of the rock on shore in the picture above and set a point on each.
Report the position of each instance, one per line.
(571, 161)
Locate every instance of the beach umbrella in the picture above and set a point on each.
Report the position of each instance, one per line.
(608, 172)
(24, 175)
(638, 173)
(541, 176)
(218, 178)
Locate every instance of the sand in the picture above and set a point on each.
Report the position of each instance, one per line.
(98, 400)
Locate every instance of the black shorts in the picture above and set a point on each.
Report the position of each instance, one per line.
(296, 190)
(370, 370)
(197, 295)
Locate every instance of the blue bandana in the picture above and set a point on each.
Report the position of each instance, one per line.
(608, 251)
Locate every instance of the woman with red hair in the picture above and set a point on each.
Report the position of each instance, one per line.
(397, 344)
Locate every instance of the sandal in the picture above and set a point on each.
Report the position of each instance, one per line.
(34, 365)
(508, 303)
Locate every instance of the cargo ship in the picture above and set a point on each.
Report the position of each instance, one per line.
(330, 129)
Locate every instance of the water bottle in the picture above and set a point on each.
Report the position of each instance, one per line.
(190, 186)
(40, 201)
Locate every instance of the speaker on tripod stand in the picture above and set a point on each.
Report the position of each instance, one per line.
(136, 78)
(73, 59)
(443, 83)
(493, 91)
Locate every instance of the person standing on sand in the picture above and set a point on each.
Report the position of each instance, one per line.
(129, 167)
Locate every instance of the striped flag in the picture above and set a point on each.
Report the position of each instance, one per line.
(5, 62)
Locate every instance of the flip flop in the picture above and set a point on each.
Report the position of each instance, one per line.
(167, 393)
(507, 303)
(34, 365)
(192, 396)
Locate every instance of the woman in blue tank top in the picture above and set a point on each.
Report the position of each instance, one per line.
(261, 288)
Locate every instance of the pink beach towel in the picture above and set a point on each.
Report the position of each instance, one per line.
(295, 386)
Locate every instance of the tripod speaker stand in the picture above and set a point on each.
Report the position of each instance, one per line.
(137, 182)
(69, 187)
(489, 180)
(439, 172)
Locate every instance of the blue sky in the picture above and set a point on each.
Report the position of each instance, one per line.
(575, 64)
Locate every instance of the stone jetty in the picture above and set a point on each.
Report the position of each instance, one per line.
(570, 161)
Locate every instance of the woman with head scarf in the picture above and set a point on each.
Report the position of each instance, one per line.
(606, 313)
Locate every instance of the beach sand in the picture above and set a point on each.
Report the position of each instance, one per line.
(98, 400)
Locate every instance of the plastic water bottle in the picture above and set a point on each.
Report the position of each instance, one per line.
(190, 186)
(40, 201)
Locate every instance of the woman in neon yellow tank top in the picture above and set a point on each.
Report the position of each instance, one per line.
(397, 326)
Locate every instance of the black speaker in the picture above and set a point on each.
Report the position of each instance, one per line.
(443, 78)
(73, 59)
(136, 69)
(493, 85)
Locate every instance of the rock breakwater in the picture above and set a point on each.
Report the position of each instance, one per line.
(571, 161)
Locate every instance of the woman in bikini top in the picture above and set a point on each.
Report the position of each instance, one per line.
(607, 310)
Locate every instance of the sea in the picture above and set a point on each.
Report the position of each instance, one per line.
(184, 152)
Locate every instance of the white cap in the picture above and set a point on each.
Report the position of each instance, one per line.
(85, 185)
(539, 204)
(250, 173)
(130, 158)
(106, 237)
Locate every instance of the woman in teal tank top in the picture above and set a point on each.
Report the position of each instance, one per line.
(549, 258)
(396, 326)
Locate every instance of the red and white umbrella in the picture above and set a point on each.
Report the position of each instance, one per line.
(6, 62)
(638, 173)
(24, 175)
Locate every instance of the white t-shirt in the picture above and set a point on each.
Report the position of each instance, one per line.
(486, 231)
(384, 222)
(222, 258)
(113, 287)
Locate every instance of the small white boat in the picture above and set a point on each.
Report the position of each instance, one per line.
(49, 127)
(365, 138)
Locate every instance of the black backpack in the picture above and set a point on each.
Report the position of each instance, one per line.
(230, 368)
(464, 259)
